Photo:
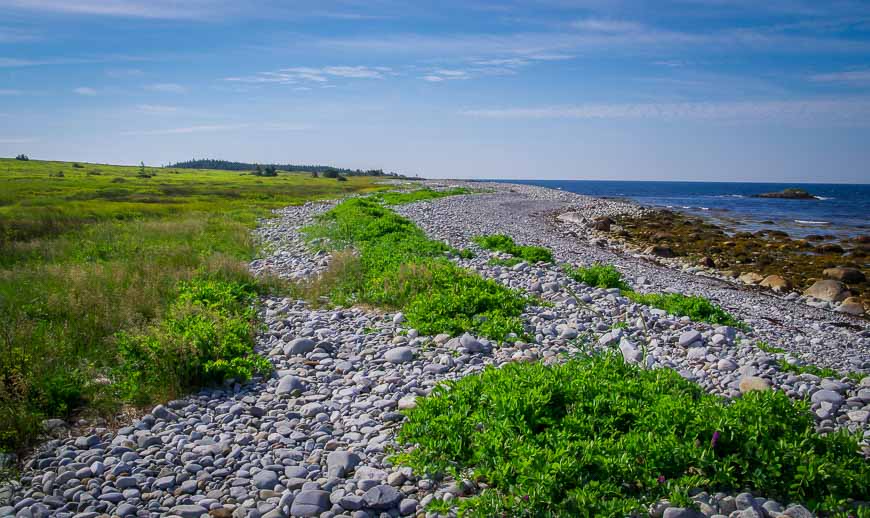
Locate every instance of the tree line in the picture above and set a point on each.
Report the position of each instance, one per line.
(271, 169)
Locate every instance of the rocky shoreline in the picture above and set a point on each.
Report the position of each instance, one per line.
(313, 439)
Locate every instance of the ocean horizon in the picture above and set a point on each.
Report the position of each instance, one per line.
(839, 209)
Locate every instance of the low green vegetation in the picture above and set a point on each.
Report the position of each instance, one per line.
(598, 437)
(597, 275)
(510, 261)
(770, 349)
(822, 372)
(387, 261)
(698, 309)
(402, 198)
(88, 251)
(506, 244)
(206, 337)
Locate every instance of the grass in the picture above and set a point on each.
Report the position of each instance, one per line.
(598, 437)
(96, 259)
(506, 244)
(597, 275)
(388, 262)
(698, 309)
(402, 198)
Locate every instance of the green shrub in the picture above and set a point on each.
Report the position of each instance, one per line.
(506, 244)
(597, 275)
(396, 266)
(698, 309)
(770, 349)
(597, 437)
(208, 337)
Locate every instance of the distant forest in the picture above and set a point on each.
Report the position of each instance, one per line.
(227, 165)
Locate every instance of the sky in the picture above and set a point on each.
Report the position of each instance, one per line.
(707, 90)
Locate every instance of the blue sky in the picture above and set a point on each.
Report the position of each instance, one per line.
(738, 90)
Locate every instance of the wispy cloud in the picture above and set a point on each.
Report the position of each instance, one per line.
(85, 90)
(445, 74)
(607, 26)
(295, 75)
(167, 88)
(156, 109)
(851, 111)
(17, 140)
(211, 128)
(10, 91)
(857, 77)
(167, 9)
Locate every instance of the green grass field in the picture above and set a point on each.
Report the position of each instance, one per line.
(88, 251)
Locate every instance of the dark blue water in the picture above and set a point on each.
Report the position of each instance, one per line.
(841, 209)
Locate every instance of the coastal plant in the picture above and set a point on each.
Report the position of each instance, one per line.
(395, 266)
(598, 437)
(402, 198)
(506, 244)
(697, 308)
(822, 372)
(511, 261)
(770, 349)
(597, 275)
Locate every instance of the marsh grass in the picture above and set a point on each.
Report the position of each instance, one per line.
(103, 250)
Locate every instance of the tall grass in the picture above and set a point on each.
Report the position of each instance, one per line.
(102, 253)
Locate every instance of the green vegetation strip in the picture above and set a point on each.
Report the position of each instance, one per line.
(698, 309)
(402, 198)
(389, 262)
(597, 437)
(88, 251)
(506, 244)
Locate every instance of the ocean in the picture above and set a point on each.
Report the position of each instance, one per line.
(840, 210)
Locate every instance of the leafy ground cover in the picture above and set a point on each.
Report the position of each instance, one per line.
(88, 251)
(389, 262)
(597, 275)
(698, 309)
(506, 244)
(402, 198)
(598, 437)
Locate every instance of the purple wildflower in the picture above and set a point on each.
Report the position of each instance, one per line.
(714, 440)
(662, 479)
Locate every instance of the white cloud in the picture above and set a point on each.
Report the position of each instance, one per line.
(209, 128)
(156, 109)
(445, 74)
(15, 35)
(852, 112)
(85, 90)
(853, 76)
(9, 91)
(167, 88)
(294, 75)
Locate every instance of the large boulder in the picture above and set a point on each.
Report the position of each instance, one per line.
(776, 283)
(828, 290)
(751, 278)
(845, 274)
(852, 306)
